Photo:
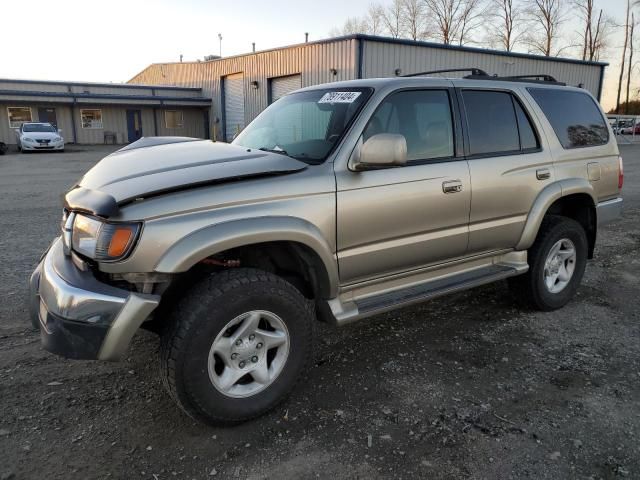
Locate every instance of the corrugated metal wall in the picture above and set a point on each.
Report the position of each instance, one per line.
(312, 61)
(381, 59)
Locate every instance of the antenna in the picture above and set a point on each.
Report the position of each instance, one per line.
(306, 37)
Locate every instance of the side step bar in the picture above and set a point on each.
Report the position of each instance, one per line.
(374, 305)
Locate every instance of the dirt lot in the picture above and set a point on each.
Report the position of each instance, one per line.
(467, 386)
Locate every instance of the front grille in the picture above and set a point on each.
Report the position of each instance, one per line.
(44, 141)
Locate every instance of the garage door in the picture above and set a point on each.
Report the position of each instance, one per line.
(233, 104)
(280, 86)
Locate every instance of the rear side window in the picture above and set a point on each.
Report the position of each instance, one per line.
(574, 116)
(528, 139)
(491, 118)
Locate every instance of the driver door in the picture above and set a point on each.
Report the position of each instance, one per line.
(398, 219)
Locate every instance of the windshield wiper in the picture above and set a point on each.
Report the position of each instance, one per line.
(274, 150)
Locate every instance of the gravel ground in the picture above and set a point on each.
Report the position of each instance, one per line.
(467, 386)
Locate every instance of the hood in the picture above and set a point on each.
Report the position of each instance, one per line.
(154, 166)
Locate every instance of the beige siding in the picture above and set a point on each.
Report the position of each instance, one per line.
(312, 61)
(193, 121)
(63, 116)
(382, 59)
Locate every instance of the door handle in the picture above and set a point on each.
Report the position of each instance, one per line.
(543, 174)
(452, 186)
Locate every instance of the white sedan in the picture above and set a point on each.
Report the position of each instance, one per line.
(39, 136)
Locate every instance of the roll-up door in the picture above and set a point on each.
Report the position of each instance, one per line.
(280, 86)
(233, 104)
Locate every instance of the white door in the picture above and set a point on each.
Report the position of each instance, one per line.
(280, 86)
(233, 86)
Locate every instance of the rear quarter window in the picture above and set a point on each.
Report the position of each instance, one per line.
(575, 117)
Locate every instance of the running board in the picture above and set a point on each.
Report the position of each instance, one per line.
(385, 302)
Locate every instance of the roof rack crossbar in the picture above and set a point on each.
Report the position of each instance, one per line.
(473, 70)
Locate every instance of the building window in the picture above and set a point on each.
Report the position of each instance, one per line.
(91, 118)
(173, 119)
(18, 116)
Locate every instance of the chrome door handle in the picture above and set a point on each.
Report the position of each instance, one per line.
(452, 186)
(543, 174)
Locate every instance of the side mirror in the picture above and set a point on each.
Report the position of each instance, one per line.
(381, 150)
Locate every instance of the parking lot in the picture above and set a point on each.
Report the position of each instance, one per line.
(467, 386)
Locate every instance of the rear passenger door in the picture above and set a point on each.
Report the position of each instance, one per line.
(507, 163)
(397, 219)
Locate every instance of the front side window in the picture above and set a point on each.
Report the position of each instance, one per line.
(305, 125)
(91, 118)
(491, 120)
(173, 119)
(18, 116)
(574, 116)
(423, 117)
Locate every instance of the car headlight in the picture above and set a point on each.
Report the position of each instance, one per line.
(57, 139)
(27, 139)
(102, 240)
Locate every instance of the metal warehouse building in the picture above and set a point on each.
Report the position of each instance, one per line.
(90, 113)
(242, 86)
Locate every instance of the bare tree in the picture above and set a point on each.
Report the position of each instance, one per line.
(413, 16)
(470, 19)
(350, 26)
(393, 18)
(624, 55)
(374, 19)
(631, 27)
(453, 20)
(545, 18)
(505, 29)
(594, 31)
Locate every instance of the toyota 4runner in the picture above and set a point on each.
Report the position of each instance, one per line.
(338, 202)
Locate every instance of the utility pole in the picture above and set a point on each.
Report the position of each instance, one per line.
(220, 40)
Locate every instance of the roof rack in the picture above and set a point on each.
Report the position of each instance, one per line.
(541, 78)
(474, 72)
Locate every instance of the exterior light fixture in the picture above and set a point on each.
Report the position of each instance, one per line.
(398, 72)
(255, 84)
(333, 71)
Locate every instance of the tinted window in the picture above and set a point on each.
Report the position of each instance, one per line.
(574, 116)
(422, 116)
(528, 139)
(492, 122)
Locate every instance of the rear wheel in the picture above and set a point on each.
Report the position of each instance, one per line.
(557, 261)
(236, 345)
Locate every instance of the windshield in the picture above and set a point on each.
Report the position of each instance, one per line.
(305, 125)
(38, 127)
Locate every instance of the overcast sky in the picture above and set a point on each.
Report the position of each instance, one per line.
(113, 40)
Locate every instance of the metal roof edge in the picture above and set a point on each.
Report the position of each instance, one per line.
(97, 84)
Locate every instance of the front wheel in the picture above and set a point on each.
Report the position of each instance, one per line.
(557, 261)
(236, 345)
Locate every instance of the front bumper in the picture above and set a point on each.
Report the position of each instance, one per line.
(40, 146)
(80, 317)
(609, 211)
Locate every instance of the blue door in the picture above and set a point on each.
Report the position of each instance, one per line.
(134, 125)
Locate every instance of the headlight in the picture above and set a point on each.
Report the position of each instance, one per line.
(101, 240)
(27, 139)
(57, 139)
